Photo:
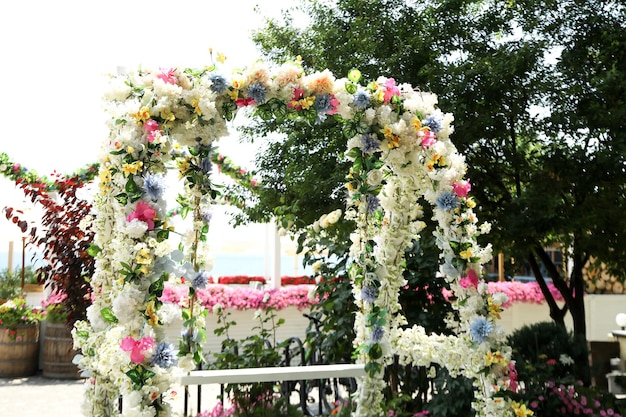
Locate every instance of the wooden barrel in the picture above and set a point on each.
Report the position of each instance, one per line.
(57, 352)
(19, 351)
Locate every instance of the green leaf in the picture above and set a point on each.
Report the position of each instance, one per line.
(108, 315)
(93, 250)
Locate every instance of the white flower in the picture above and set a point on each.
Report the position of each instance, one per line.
(565, 359)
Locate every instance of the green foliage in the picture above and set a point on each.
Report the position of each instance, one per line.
(259, 349)
(547, 351)
(11, 281)
(17, 312)
(549, 360)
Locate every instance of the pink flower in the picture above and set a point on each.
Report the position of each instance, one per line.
(512, 377)
(470, 280)
(334, 104)
(137, 348)
(168, 76)
(461, 188)
(243, 102)
(428, 138)
(143, 212)
(16, 168)
(390, 90)
(151, 127)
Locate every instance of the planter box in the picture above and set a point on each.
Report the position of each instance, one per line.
(295, 325)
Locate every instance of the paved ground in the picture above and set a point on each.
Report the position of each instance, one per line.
(37, 396)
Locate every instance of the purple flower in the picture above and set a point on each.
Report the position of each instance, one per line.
(377, 333)
(369, 294)
(373, 203)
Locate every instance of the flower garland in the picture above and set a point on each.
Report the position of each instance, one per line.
(19, 174)
(402, 156)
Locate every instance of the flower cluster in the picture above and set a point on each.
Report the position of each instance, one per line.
(398, 142)
(16, 313)
(241, 298)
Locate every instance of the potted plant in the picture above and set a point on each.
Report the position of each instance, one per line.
(19, 338)
(57, 347)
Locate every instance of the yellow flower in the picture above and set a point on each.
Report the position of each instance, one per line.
(105, 175)
(466, 254)
(495, 358)
(132, 168)
(142, 115)
(470, 203)
(167, 115)
(150, 312)
(417, 123)
(494, 310)
(144, 257)
(196, 107)
(521, 410)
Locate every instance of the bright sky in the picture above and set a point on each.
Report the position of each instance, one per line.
(55, 55)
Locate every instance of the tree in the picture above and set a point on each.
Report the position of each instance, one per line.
(537, 90)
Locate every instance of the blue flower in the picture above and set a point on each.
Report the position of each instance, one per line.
(447, 201)
(377, 333)
(206, 165)
(369, 143)
(257, 92)
(369, 294)
(433, 122)
(480, 329)
(201, 280)
(218, 83)
(164, 355)
(154, 186)
(206, 215)
(322, 103)
(372, 203)
(361, 100)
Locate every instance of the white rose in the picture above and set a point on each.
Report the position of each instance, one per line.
(375, 177)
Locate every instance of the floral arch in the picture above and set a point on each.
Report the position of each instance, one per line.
(398, 141)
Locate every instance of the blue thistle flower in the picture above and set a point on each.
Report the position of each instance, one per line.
(201, 280)
(369, 143)
(257, 92)
(480, 329)
(377, 333)
(164, 355)
(154, 186)
(433, 122)
(361, 100)
(218, 83)
(369, 294)
(447, 201)
(372, 203)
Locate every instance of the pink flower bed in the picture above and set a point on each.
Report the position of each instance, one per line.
(298, 295)
(523, 292)
(241, 298)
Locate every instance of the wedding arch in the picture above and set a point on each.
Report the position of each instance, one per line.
(398, 142)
